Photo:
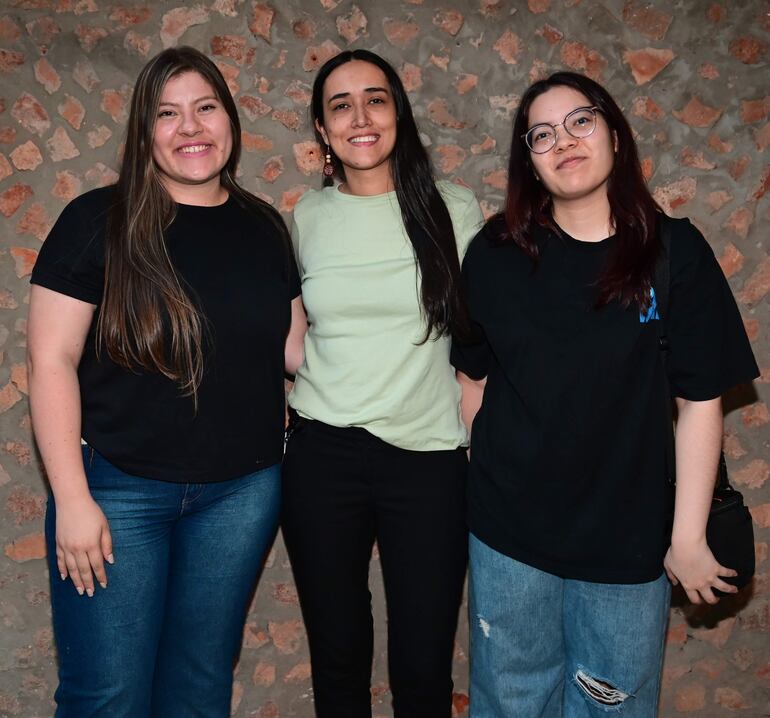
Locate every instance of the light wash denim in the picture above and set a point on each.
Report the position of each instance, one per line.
(548, 647)
(161, 640)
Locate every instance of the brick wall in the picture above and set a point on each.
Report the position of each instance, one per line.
(693, 81)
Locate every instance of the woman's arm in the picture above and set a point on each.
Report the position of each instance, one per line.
(470, 399)
(689, 560)
(294, 353)
(56, 332)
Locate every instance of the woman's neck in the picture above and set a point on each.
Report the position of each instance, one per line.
(368, 182)
(586, 219)
(209, 194)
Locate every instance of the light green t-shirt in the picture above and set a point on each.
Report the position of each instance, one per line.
(364, 364)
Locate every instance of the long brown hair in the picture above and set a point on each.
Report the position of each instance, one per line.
(627, 276)
(146, 318)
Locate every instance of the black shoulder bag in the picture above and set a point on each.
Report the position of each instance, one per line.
(729, 532)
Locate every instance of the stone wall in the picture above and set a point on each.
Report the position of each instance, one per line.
(692, 77)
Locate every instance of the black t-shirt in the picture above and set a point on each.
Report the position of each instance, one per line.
(241, 274)
(568, 450)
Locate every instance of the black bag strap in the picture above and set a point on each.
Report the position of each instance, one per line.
(662, 284)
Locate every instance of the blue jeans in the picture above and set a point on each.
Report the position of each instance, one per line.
(162, 638)
(547, 647)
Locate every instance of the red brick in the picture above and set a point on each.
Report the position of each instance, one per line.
(115, 103)
(254, 107)
(30, 114)
(89, 36)
(538, 7)
(318, 55)
(9, 397)
(449, 21)
(729, 698)
(303, 29)
(647, 108)
(35, 222)
(291, 196)
(754, 474)
(7, 135)
(298, 674)
(763, 185)
(42, 30)
(486, 145)
(286, 635)
(648, 168)
(748, 49)
(730, 442)
(440, 61)
(755, 288)
(139, 44)
(176, 22)
(739, 222)
(756, 415)
(233, 47)
(715, 13)
(690, 698)
(227, 8)
(451, 157)
(642, 17)
(26, 548)
(508, 47)
(737, 167)
(299, 92)
(72, 111)
(26, 156)
(329, 4)
(85, 75)
(692, 158)
(60, 146)
(439, 113)
(411, 76)
(9, 30)
(400, 33)
(25, 505)
(98, 136)
(762, 137)
(47, 76)
(465, 83)
(255, 143)
(253, 637)
(67, 187)
(10, 61)
(647, 63)
(697, 114)
(490, 8)
(717, 144)
(731, 261)
(101, 175)
(580, 57)
(125, 17)
(708, 71)
(676, 193)
(308, 157)
(5, 167)
(261, 20)
(288, 118)
(272, 169)
(264, 674)
(353, 25)
(497, 179)
(550, 34)
(230, 73)
(14, 197)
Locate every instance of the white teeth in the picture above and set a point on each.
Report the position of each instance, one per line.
(368, 138)
(192, 149)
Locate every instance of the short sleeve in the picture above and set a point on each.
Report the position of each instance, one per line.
(472, 355)
(709, 349)
(71, 260)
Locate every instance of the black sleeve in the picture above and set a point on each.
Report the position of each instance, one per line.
(709, 349)
(71, 260)
(472, 355)
(295, 285)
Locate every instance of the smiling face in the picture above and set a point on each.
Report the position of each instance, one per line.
(359, 123)
(573, 168)
(192, 139)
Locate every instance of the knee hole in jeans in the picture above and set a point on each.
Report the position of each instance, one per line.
(600, 691)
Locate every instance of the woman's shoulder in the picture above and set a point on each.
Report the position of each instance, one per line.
(93, 203)
(311, 201)
(687, 242)
(455, 194)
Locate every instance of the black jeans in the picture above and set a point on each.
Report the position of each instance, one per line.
(342, 489)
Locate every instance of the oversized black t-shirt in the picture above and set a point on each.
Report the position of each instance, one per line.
(241, 275)
(568, 457)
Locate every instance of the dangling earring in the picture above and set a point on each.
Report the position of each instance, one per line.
(328, 166)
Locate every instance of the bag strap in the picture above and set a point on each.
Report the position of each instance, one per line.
(662, 284)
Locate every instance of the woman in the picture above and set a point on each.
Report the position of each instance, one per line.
(375, 448)
(568, 495)
(159, 312)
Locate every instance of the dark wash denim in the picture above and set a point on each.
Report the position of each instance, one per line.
(160, 641)
(344, 488)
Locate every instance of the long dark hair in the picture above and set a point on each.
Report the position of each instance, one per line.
(147, 319)
(634, 214)
(423, 210)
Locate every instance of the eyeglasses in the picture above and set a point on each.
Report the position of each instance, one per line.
(579, 123)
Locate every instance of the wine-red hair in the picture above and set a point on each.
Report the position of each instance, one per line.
(634, 214)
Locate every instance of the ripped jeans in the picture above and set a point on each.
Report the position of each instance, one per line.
(547, 647)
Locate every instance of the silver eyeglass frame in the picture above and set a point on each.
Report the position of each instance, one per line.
(560, 124)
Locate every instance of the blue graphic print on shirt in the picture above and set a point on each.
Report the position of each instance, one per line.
(652, 310)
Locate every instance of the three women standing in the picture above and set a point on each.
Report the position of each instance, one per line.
(159, 316)
(375, 449)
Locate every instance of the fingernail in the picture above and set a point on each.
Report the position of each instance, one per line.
(79, 590)
(103, 584)
(90, 592)
(63, 576)
(110, 559)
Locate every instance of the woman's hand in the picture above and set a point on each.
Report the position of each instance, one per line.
(83, 543)
(694, 566)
